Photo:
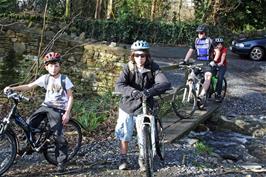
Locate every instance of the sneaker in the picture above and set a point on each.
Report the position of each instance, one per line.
(123, 163)
(142, 167)
(218, 98)
(61, 167)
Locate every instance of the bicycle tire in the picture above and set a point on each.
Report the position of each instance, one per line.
(74, 142)
(159, 139)
(183, 104)
(147, 146)
(8, 151)
(212, 91)
(224, 89)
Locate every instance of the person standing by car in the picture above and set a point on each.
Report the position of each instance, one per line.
(221, 63)
(141, 77)
(204, 49)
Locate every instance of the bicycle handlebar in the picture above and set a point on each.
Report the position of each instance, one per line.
(16, 96)
(190, 65)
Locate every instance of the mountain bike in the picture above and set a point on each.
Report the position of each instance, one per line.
(37, 139)
(150, 129)
(184, 100)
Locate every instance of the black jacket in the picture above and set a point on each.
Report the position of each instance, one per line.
(126, 84)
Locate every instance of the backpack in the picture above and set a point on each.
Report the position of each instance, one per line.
(209, 43)
(63, 81)
(132, 72)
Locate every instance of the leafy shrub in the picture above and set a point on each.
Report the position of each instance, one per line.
(95, 110)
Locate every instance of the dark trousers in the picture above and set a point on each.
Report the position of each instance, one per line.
(55, 122)
(220, 73)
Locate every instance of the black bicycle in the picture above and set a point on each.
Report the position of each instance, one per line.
(37, 139)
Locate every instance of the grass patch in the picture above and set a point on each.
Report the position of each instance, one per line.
(202, 148)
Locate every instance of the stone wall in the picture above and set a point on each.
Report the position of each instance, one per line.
(102, 65)
(91, 66)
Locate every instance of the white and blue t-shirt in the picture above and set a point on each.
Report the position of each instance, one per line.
(55, 96)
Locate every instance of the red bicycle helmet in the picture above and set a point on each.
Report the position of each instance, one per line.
(52, 57)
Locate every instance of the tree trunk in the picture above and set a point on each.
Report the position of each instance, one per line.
(110, 9)
(98, 9)
(153, 9)
(67, 13)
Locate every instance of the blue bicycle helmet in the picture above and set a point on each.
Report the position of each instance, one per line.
(140, 45)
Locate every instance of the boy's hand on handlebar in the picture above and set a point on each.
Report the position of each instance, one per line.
(7, 90)
(136, 94)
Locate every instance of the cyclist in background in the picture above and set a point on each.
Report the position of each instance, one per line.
(140, 77)
(56, 106)
(204, 49)
(221, 63)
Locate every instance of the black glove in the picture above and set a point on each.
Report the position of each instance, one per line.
(136, 94)
(146, 93)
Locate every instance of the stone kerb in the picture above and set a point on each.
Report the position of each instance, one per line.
(102, 65)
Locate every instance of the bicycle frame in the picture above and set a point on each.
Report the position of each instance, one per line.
(21, 122)
(193, 81)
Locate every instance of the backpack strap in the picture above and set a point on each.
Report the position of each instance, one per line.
(46, 80)
(63, 81)
(132, 68)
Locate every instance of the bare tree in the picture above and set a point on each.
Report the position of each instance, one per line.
(153, 9)
(110, 9)
(98, 9)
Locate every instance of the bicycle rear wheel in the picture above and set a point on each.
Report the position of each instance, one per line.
(212, 91)
(8, 151)
(147, 145)
(159, 139)
(184, 102)
(224, 89)
(73, 136)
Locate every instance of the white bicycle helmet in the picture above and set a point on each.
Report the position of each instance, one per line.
(219, 40)
(140, 45)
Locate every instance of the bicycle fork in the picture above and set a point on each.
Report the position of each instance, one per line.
(188, 92)
(141, 121)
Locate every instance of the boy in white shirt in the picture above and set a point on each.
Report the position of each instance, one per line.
(57, 104)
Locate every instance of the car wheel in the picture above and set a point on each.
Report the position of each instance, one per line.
(256, 53)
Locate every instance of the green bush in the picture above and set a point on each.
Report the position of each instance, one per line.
(93, 111)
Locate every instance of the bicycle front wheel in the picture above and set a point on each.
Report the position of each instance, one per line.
(147, 145)
(159, 139)
(73, 136)
(184, 102)
(8, 151)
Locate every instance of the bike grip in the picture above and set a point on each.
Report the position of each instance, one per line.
(24, 97)
(116, 93)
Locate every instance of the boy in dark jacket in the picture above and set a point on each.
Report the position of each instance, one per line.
(140, 77)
